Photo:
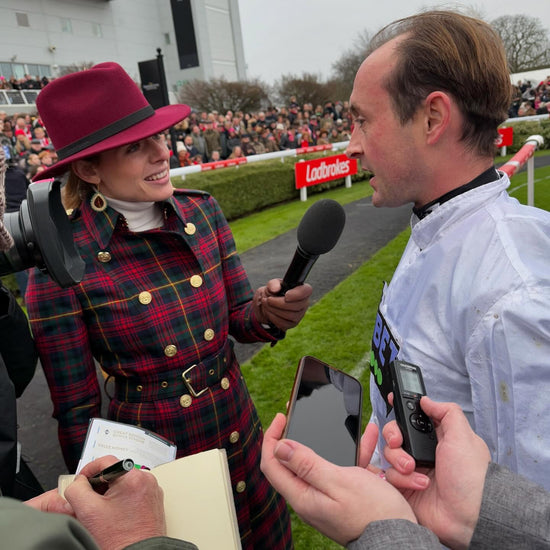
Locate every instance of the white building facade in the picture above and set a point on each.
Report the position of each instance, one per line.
(199, 39)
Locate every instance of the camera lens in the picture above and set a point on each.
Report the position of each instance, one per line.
(23, 254)
(42, 236)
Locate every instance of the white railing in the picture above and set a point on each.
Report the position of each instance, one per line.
(182, 171)
(525, 155)
(18, 101)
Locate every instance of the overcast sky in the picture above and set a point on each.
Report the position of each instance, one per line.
(296, 36)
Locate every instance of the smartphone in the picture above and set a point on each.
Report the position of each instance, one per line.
(324, 411)
(419, 439)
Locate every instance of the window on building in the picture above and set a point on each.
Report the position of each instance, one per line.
(22, 19)
(167, 40)
(66, 26)
(5, 70)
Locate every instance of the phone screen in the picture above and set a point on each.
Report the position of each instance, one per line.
(325, 411)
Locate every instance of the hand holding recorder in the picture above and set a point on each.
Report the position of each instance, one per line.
(447, 498)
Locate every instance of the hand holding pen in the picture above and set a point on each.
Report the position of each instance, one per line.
(102, 479)
(132, 506)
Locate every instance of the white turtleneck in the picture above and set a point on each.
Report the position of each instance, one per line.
(140, 216)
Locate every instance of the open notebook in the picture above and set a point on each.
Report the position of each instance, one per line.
(198, 497)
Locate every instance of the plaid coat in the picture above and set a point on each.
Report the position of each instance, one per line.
(151, 306)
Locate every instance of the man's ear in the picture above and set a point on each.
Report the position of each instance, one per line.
(437, 112)
(86, 171)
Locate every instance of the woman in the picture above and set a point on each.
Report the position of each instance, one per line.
(162, 291)
(22, 143)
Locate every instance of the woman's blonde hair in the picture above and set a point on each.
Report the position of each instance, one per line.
(76, 189)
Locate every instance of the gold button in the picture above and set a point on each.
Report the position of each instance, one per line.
(211, 372)
(234, 437)
(104, 256)
(164, 384)
(186, 400)
(241, 486)
(209, 334)
(190, 228)
(145, 297)
(196, 281)
(170, 350)
(224, 382)
(139, 388)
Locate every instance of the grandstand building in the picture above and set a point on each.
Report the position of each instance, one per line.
(198, 39)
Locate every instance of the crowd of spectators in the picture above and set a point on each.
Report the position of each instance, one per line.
(530, 98)
(28, 141)
(28, 82)
(212, 136)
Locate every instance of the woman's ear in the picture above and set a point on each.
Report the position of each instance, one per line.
(86, 171)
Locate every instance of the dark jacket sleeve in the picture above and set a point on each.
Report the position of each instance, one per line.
(16, 344)
(515, 513)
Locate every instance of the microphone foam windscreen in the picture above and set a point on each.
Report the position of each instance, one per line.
(321, 227)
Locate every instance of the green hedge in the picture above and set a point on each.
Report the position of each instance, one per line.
(524, 129)
(248, 188)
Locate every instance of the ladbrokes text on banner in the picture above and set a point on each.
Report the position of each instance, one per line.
(312, 172)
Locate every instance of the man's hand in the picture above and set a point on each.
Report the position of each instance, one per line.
(446, 499)
(282, 311)
(339, 502)
(131, 510)
(51, 501)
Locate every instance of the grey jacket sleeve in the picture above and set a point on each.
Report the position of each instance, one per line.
(515, 513)
(395, 534)
(25, 528)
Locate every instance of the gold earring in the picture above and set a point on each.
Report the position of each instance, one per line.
(98, 202)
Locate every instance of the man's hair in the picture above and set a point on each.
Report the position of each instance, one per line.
(460, 55)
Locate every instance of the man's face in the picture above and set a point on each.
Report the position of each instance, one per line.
(33, 159)
(379, 141)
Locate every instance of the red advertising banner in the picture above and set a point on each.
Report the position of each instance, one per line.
(506, 136)
(313, 172)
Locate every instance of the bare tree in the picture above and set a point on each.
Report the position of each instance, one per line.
(76, 67)
(345, 67)
(220, 95)
(307, 88)
(525, 40)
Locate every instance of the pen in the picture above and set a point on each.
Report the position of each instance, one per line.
(111, 473)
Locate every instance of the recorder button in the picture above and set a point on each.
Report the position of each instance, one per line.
(420, 422)
(411, 406)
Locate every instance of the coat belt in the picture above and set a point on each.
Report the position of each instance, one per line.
(194, 379)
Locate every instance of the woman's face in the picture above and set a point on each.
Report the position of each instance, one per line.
(137, 172)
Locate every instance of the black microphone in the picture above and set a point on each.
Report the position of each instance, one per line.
(318, 232)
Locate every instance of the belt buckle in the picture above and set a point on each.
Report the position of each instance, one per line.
(187, 382)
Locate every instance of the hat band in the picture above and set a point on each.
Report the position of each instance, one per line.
(104, 133)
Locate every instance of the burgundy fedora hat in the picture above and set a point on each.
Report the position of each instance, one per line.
(98, 109)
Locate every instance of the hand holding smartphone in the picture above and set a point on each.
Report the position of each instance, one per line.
(324, 411)
(419, 439)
